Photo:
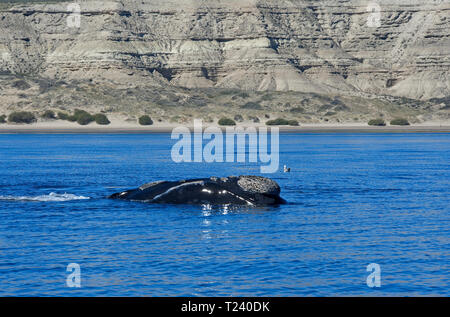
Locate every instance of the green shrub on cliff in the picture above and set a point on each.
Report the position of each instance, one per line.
(2, 118)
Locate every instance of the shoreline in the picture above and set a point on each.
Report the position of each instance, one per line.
(167, 128)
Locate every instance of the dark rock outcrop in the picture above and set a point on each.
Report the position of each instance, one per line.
(242, 190)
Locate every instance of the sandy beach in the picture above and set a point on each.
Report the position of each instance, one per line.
(119, 126)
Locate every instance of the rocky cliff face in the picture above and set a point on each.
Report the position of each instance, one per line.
(325, 47)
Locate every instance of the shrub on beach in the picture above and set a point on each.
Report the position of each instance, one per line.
(84, 118)
(72, 118)
(226, 121)
(81, 116)
(2, 118)
(21, 117)
(77, 113)
(101, 119)
(63, 116)
(399, 121)
(145, 120)
(281, 121)
(48, 114)
(278, 121)
(377, 122)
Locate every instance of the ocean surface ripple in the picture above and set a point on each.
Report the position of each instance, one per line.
(354, 199)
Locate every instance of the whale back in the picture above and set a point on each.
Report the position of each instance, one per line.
(242, 190)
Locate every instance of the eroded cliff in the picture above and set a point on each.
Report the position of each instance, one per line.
(321, 47)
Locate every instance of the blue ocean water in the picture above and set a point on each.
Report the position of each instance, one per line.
(354, 199)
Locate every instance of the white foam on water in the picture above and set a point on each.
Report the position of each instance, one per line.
(49, 197)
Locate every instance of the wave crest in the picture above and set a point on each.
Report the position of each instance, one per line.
(49, 197)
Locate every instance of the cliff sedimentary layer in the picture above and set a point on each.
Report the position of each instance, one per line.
(325, 47)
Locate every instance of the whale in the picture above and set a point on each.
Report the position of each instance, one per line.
(233, 190)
